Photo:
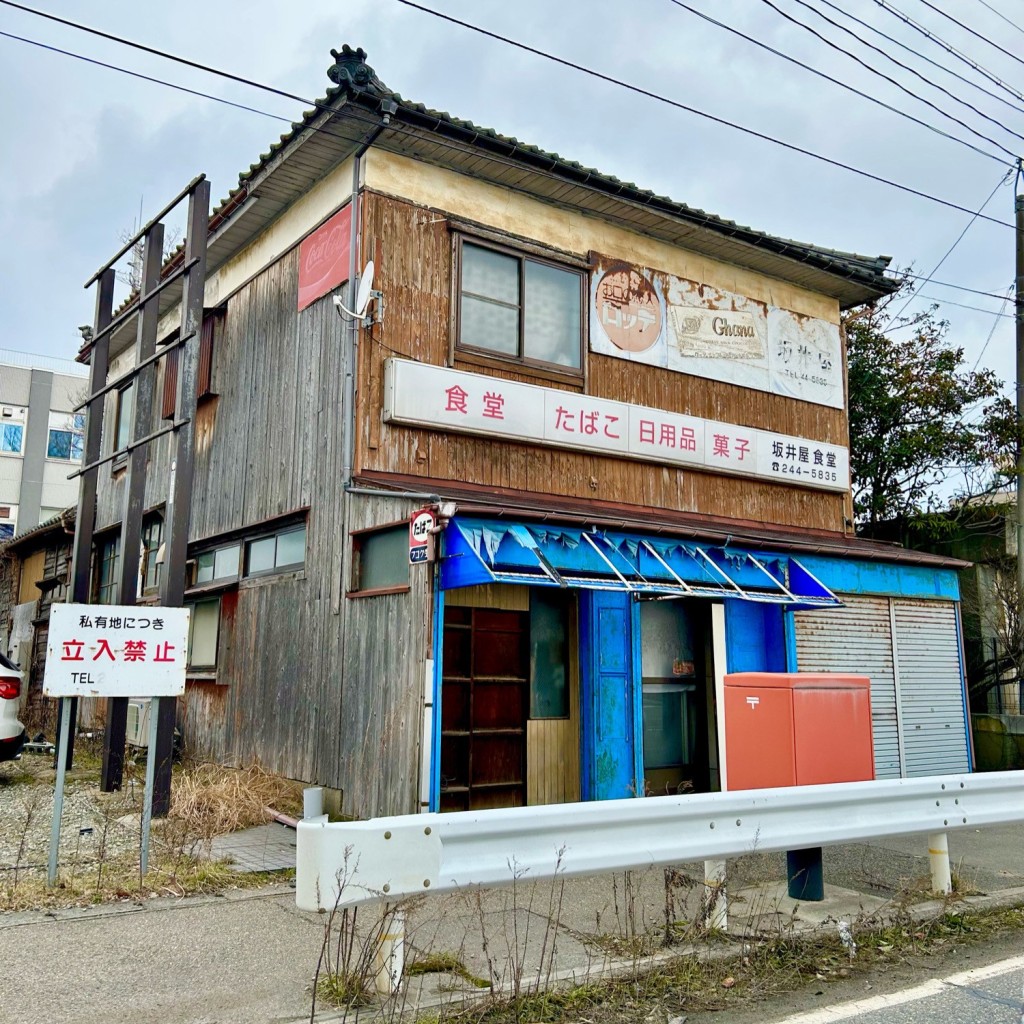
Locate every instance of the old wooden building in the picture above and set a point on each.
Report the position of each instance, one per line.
(627, 418)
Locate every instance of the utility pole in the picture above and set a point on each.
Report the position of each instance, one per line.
(1019, 319)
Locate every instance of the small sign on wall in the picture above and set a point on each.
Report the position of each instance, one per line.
(421, 535)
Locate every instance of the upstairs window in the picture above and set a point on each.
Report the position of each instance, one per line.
(381, 562)
(278, 552)
(108, 567)
(212, 330)
(11, 438)
(152, 555)
(260, 554)
(123, 420)
(521, 308)
(66, 440)
(12, 429)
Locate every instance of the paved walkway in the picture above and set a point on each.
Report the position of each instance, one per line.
(263, 848)
(250, 957)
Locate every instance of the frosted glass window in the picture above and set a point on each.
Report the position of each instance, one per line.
(125, 407)
(552, 330)
(520, 308)
(204, 567)
(383, 559)
(204, 627)
(225, 562)
(666, 645)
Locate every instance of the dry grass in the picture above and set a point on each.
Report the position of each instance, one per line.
(207, 801)
(212, 800)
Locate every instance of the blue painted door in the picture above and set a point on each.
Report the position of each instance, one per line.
(609, 695)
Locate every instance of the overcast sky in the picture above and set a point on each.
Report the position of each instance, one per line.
(82, 146)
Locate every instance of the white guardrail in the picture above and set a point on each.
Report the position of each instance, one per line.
(349, 863)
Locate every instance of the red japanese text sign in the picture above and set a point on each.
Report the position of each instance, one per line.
(105, 650)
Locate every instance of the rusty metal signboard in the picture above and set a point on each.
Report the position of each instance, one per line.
(653, 317)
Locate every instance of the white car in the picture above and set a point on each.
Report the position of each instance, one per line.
(12, 732)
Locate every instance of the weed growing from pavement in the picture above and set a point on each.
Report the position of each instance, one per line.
(444, 963)
(697, 980)
(664, 972)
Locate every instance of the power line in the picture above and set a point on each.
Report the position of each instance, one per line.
(892, 81)
(973, 32)
(995, 324)
(999, 14)
(846, 85)
(959, 239)
(959, 287)
(682, 106)
(905, 67)
(949, 48)
(924, 57)
(319, 105)
(145, 78)
(961, 305)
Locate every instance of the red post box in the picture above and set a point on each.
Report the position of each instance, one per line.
(797, 729)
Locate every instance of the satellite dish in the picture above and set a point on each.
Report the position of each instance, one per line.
(365, 288)
(363, 296)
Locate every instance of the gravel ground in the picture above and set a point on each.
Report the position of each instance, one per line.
(91, 826)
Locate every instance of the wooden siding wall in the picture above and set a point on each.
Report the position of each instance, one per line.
(412, 249)
(376, 747)
(272, 442)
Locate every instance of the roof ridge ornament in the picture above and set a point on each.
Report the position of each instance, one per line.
(350, 71)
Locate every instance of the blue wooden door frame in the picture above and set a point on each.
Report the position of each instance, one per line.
(611, 731)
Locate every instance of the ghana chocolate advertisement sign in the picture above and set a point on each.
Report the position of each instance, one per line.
(650, 316)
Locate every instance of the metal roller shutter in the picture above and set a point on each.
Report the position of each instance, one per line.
(857, 639)
(931, 694)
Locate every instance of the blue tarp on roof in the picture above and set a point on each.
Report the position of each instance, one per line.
(477, 551)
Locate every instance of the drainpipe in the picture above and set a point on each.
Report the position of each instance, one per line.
(388, 108)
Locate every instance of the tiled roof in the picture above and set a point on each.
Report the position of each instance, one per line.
(359, 84)
(351, 113)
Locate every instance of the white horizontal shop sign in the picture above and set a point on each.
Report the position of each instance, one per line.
(439, 398)
(103, 650)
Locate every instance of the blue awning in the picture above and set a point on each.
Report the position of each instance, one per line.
(477, 551)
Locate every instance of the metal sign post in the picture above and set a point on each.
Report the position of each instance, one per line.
(58, 789)
(147, 800)
(113, 651)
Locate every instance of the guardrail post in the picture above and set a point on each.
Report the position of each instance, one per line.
(389, 960)
(938, 860)
(313, 801)
(716, 902)
(804, 875)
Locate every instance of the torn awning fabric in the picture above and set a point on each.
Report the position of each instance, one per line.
(477, 551)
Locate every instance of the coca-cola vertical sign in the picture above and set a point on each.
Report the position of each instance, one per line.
(324, 257)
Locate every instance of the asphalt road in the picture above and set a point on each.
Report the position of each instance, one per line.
(992, 994)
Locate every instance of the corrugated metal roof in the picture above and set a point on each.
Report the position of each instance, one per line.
(347, 115)
(61, 519)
